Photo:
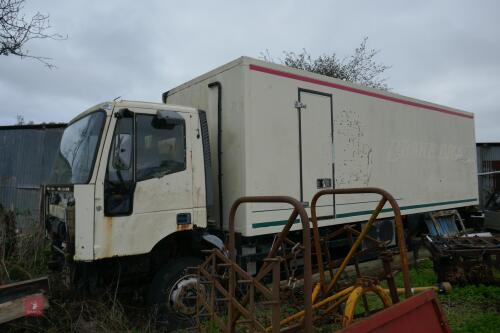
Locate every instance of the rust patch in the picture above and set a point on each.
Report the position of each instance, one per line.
(182, 227)
(108, 236)
(109, 221)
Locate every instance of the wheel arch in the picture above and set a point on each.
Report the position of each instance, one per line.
(185, 243)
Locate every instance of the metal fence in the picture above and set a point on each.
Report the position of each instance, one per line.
(26, 156)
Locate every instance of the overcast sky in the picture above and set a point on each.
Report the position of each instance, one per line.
(446, 52)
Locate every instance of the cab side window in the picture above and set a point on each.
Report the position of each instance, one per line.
(119, 182)
(160, 147)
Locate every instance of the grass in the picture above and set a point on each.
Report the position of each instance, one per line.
(98, 314)
(470, 308)
(27, 257)
(473, 308)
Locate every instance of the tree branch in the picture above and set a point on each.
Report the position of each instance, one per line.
(16, 31)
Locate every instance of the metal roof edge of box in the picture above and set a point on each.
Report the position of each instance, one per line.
(281, 70)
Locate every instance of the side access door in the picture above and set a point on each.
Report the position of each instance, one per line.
(316, 149)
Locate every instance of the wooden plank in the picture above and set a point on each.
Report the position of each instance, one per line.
(23, 288)
(16, 308)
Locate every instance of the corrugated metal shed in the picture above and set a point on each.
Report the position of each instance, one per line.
(27, 153)
(488, 160)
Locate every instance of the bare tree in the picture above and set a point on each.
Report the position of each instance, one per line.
(360, 67)
(20, 120)
(16, 30)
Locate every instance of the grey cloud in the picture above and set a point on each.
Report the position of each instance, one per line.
(447, 52)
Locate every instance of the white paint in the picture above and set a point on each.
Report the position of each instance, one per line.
(422, 157)
(84, 222)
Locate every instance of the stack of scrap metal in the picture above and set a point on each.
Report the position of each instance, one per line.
(460, 257)
(464, 259)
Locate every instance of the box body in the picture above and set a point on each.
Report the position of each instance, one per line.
(290, 132)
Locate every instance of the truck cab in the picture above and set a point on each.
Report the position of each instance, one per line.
(130, 181)
(136, 174)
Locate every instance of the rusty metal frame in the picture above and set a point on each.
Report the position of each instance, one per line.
(386, 197)
(271, 264)
(325, 296)
(306, 243)
(207, 272)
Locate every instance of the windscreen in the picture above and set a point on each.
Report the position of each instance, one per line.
(75, 159)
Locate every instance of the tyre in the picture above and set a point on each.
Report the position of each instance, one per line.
(173, 293)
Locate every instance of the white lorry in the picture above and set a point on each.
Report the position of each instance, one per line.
(146, 186)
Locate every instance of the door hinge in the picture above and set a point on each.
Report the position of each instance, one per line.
(299, 105)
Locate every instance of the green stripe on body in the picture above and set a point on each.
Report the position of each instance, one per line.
(331, 205)
(364, 212)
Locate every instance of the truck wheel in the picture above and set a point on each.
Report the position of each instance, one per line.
(173, 293)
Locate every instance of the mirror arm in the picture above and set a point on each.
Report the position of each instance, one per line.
(120, 178)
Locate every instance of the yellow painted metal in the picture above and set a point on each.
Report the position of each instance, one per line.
(354, 297)
(316, 290)
(350, 305)
(320, 304)
(335, 305)
(446, 286)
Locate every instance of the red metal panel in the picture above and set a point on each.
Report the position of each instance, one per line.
(420, 313)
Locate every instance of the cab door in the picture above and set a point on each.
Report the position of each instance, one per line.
(163, 168)
(148, 182)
